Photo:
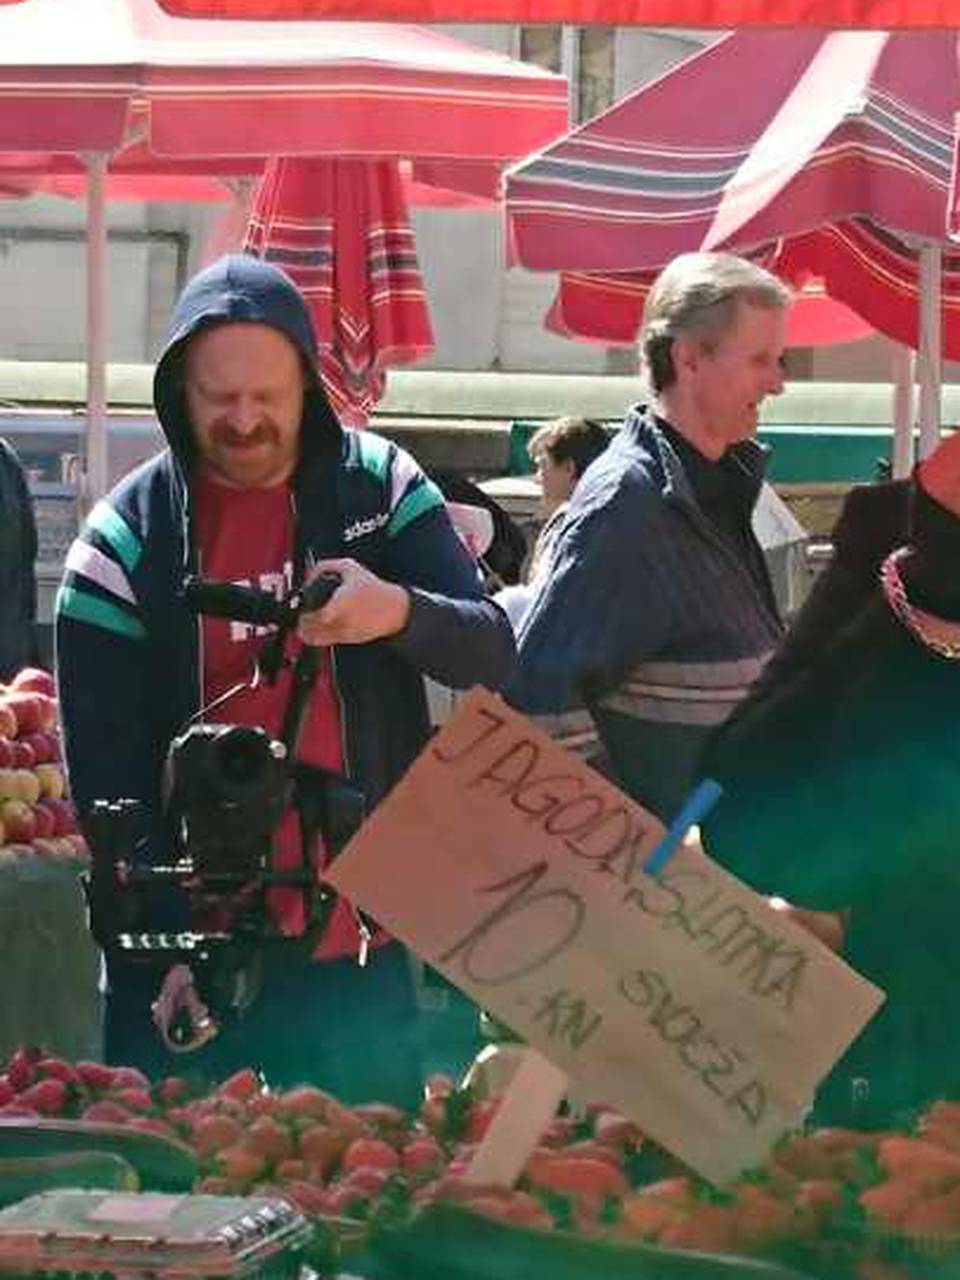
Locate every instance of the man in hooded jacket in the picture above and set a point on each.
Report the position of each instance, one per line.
(261, 485)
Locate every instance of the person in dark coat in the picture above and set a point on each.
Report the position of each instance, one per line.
(841, 773)
(260, 484)
(873, 521)
(18, 580)
(658, 612)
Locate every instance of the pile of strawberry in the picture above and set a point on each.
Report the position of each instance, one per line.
(36, 1084)
(828, 1190)
(330, 1158)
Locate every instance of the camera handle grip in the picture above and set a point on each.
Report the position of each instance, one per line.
(317, 592)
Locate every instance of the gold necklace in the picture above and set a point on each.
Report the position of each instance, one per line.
(940, 635)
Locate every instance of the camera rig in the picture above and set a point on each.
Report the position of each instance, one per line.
(225, 789)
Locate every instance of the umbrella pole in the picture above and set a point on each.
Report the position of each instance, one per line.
(903, 375)
(570, 68)
(928, 359)
(95, 471)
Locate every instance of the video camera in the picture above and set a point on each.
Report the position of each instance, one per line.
(226, 788)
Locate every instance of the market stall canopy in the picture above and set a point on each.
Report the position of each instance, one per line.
(661, 13)
(341, 231)
(838, 160)
(102, 75)
(834, 126)
(123, 85)
(609, 309)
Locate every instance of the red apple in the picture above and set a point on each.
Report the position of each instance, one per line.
(25, 708)
(19, 824)
(34, 711)
(64, 813)
(45, 821)
(24, 756)
(6, 753)
(8, 719)
(35, 679)
(49, 711)
(42, 745)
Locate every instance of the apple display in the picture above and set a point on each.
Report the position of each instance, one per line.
(43, 745)
(28, 785)
(19, 823)
(64, 813)
(52, 782)
(8, 721)
(24, 756)
(45, 821)
(35, 680)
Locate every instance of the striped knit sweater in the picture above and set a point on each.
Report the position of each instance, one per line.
(648, 618)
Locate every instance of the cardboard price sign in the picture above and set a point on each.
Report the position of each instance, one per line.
(682, 998)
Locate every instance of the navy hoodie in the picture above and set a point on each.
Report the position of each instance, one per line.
(128, 648)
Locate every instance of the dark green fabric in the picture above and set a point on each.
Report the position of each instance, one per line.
(843, 792)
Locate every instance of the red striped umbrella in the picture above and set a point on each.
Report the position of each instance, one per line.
(98, 78)
(81, 74)
(834, 148)
(760, 136)
(660, 13)
(340, 229)
(609, 309)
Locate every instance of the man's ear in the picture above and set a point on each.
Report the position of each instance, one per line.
(686, 354)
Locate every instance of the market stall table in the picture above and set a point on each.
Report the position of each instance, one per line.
(51, 964)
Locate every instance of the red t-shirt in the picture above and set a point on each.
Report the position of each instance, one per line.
(246, 537)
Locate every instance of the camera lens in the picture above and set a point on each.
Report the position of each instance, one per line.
(243, 758)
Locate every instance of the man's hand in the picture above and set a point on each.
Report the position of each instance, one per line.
(363, 608)
(829, 927)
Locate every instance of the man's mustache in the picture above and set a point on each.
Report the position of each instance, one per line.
(264, 434)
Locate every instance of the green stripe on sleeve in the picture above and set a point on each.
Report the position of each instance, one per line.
(424, 498)
(105, 521)
(83, 607)
(374, 454)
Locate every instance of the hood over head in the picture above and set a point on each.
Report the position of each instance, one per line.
(239, 289)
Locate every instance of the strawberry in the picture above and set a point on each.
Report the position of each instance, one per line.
(95, 1075)
(370, 1152)
(171, 1090)
(241, 1085)
(367, 1178)
(306, 1195)
(57, 1069)
(422, 1156)
(133, 1099)
(128, 1078)
(341, 1200)
(7, 1091)
(17, 1109)
(106, 1112)
(22, 1067)
(49, 1097)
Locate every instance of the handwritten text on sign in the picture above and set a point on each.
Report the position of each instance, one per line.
(681, 998)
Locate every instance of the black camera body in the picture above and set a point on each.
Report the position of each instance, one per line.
(226, 788)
